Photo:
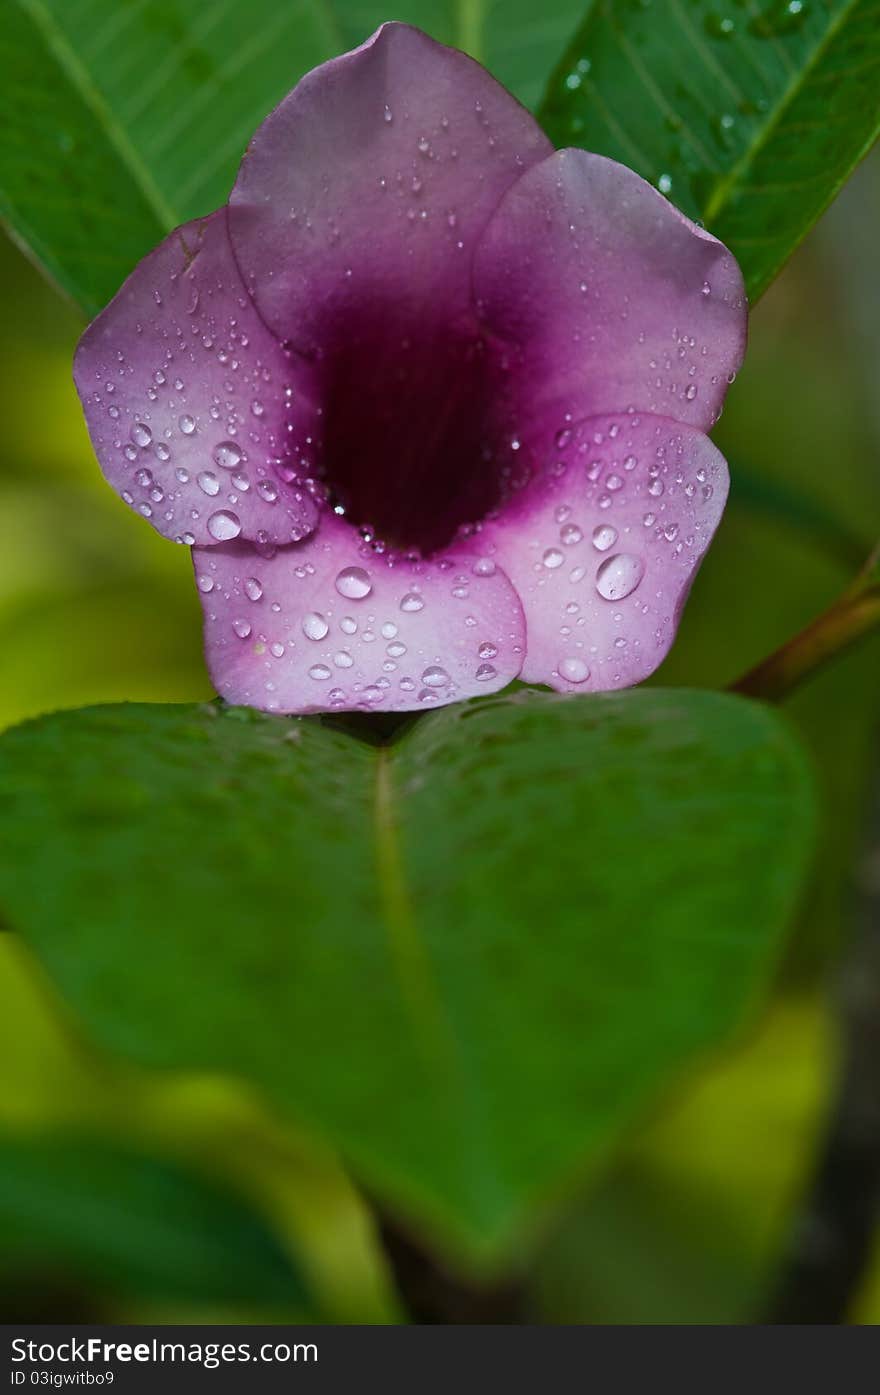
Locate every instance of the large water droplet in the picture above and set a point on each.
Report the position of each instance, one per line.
(604, 537)
(208, 483)
(187, 425)
(227, 455)
(141, 434)
(314, 625)
(618, 576)
(412, 601)
(224, 526)
(435, 677)
(353, 583)
(574, 670)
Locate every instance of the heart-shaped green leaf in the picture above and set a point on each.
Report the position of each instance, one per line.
(467, 959)
(128, 1224)
(750, 116)
(122, 120)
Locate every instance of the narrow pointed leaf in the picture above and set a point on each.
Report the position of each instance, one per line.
(750, 116)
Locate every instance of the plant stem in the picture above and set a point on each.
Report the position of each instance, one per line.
(433, 1295)
(855, 614)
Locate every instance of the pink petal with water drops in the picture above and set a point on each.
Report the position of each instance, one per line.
(196, 414)
(328, 624)
(369, 185)
(603, 548)
(618, 301)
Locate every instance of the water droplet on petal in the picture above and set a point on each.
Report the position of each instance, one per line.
(208, 483)
(253, 588)
(242, 628)
(320, 672)
(553, 558)
(618, 576)
(353, 583)
(574, 670)
(187, 425)
(141, 434)
(227, 455)
(314, 625)
(224, 526)
(435, 677)
(412, 601)
(604, 537)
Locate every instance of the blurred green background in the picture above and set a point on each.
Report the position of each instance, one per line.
(691, 1220)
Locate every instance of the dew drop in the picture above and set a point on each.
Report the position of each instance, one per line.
(435, 677)
(552, 558)
(574, 670)
(604, 537)
(242, 628)
(618, 576)
(314, 625)
(253, 588)
(224, 526)
(227, 455)
(320, 672)
(187, 425)
(208, 483)
(141, 434)
(353, 583)
(412, 601)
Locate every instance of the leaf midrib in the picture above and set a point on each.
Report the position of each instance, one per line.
(409, 956)
(800, 76)
(81, 80)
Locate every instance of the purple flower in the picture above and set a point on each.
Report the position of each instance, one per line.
(427, 399)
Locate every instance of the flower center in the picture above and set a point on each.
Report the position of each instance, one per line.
(414, 445)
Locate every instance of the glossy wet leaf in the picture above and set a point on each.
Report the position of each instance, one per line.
(83, 1212)
(122, 120)
(750, 116)
(468, 960)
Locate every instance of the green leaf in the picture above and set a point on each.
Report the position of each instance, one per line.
(749, 115)
(467, 959)
(129, 1224)
(123, 120)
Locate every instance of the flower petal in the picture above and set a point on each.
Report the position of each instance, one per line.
(603, 549)
(369, 185)
(185, 393)
(321, 625)
(618, 301)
